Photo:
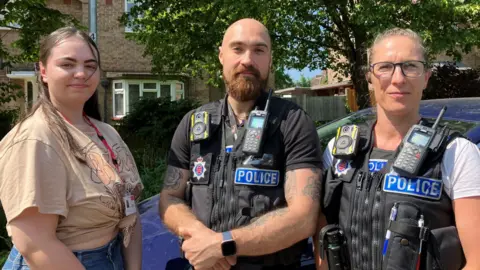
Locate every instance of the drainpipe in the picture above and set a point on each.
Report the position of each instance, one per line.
(92, 19)
(92, 25)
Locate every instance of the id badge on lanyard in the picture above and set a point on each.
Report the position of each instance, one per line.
(128, 199)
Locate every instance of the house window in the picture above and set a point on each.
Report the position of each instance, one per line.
(128, 5)
(127, 92)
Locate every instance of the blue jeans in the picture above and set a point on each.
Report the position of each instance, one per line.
(107, 257)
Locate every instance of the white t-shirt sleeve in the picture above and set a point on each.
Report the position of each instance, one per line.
(327, 157)
(461, 169)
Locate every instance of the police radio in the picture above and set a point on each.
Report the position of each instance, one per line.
(200, 126)
(416, 145)
(256, 129)
(346, 142)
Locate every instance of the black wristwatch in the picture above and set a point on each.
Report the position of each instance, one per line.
(229, 247)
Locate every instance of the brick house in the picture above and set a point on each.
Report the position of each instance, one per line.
(126, 73)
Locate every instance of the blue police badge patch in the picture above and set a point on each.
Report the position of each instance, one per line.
(257, 177)
(376, 165)
(199, 168)
(418, 187)
(342, 166)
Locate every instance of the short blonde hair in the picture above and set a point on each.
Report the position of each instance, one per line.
(397, 32)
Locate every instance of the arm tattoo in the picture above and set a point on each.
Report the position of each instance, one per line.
(173, 178)
(263, 219)
(290, 185)
(174, 200)
(313, 187)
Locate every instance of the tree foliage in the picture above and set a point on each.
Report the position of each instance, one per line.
(183, 35)
(282, 79)
(448, 81)
(303, 81)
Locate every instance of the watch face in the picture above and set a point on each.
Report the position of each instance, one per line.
(229, 248)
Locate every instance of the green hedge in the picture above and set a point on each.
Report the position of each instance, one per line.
(148, 131)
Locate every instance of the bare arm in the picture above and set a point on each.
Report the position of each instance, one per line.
(34, 235)
(284, 227)
(467, 223)
(319, 263)
(172, 206)
(133, 253)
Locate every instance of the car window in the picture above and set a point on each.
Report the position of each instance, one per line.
(328, 131)
(460, 126)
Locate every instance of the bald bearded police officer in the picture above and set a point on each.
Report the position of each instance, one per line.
(408, 197)
(247, 165)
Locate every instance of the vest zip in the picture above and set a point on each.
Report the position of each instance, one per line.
(232, 211)
(217, 194)
(355, 221)
(222, 204)
(378, 223)
(212, 191)
(366, 217)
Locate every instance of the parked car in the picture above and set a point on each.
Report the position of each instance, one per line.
(161, 248)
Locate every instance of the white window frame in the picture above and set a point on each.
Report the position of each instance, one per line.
(34, 92)
(128, 29)
(126, 91)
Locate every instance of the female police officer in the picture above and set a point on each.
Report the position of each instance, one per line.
(380, 217)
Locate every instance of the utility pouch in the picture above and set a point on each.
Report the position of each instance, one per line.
(406, 237)
(444, 250)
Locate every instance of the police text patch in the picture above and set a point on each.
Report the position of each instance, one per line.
(257, 177)
(376, 165)
(419, 187)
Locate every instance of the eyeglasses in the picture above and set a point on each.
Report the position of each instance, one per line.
(409, 68)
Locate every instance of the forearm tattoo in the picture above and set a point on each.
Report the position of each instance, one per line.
(173, 178)
(263, 219)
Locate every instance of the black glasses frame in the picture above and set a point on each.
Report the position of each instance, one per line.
(400, 64)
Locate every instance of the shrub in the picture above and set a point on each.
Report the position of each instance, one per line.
(148, 131)
(448, 81)
(152, 122)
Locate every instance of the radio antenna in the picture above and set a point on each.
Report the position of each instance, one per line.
(268, 99)
(440, 115)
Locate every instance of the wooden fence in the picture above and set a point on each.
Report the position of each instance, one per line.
(321, 108)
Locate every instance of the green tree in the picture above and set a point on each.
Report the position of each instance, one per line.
(282, 79)
(184, 35)
(303, 81)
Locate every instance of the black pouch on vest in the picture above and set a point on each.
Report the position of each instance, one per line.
(332, 193)
(404, 241)
(444, 250)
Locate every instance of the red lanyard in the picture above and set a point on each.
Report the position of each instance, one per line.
(100, 136)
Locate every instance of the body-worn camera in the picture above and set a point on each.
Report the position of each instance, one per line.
(200, 126)
(346, 142)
